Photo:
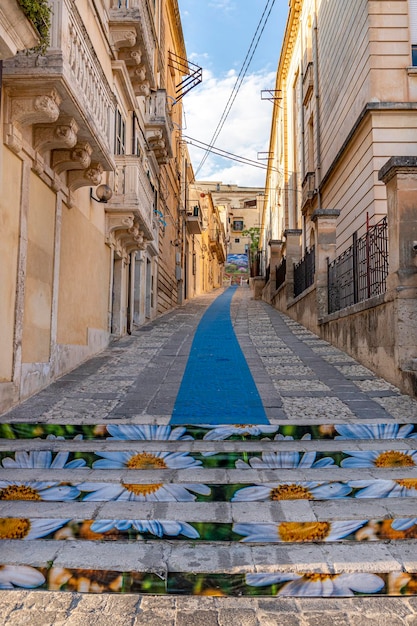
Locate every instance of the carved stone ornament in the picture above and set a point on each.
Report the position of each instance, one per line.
(137, 74)
(78, 158)
(123, 37)
(54, 137)
(123, 231)
(38, 109)
(90, 177)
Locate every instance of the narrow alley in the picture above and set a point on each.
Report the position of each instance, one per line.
(119, 479)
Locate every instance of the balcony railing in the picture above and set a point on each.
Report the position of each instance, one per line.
(360, 272)
(158, 125)
(133, 36)
(304, 272)
(133, 192)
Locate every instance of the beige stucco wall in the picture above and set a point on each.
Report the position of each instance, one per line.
(83, 294)
(39, 273)
(9, 244)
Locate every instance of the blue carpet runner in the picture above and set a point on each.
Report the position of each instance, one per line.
(217, 387)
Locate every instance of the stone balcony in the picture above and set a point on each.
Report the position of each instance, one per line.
(308, 190)
(217, 243)
(130, 212)
(194, 219)
(158, 126)
(133, 37)
(64, 98)
(16, 31)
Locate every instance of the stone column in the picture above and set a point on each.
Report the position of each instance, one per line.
(293, 255)
(400, 177)
(276, 246)
(325, 223)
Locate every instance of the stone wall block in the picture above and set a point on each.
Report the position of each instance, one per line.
(400, 177)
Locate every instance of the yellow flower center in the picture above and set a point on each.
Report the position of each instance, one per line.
(388, 532)
(315, 577)
(290, 492)
(304, 531)
(14, 528)
(142, 490)
(19, 492)
(408, 483)
(146, 461)
(394, 458)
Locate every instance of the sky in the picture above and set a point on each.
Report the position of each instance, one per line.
(218, 36)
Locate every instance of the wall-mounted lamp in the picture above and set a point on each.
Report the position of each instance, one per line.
(103, 193)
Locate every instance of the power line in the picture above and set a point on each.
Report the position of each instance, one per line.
(222, 153)
(239, 80)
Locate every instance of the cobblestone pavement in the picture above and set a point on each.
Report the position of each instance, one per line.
(307, 387)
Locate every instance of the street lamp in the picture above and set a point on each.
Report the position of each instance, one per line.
(103, 193)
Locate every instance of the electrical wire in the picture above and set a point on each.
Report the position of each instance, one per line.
(222, 153)
(239, 80)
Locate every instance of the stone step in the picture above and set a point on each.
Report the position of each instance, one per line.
(217, 512)
(212, 447)
(209, 476)
(135, 431)
(163, 556)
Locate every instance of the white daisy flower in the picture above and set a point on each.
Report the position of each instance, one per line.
(378, 458)
(400, 488)
(161, 492)
(12, 576)
(27, 529)
(292, 491)
(319, 585)
(285, 460)
(297, 531)
(375, 431)
(41, 459)
(159, 528)
(147, 432)
(220, 432)
(40, 490)
(404, 524)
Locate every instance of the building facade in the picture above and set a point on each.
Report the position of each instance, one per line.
(344, 105)
(93, 182)
(240, 211)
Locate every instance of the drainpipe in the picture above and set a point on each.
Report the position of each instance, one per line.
(317, 104)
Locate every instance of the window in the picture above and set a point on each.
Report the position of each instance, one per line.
(413, 30)
(237, 240)
(237, 225)
(120, 134)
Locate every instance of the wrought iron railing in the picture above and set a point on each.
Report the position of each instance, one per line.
(361, 271)
(281, 273)
(304, 272)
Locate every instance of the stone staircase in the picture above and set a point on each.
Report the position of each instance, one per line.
(295, 509)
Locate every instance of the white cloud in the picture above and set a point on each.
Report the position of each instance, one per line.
(245, 132)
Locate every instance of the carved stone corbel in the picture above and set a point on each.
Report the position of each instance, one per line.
(123, 37)
(26, 110)
(78, 158)
(137, 74)
(54, 137)
(91, 177)
(131, 57)
(142, 89)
